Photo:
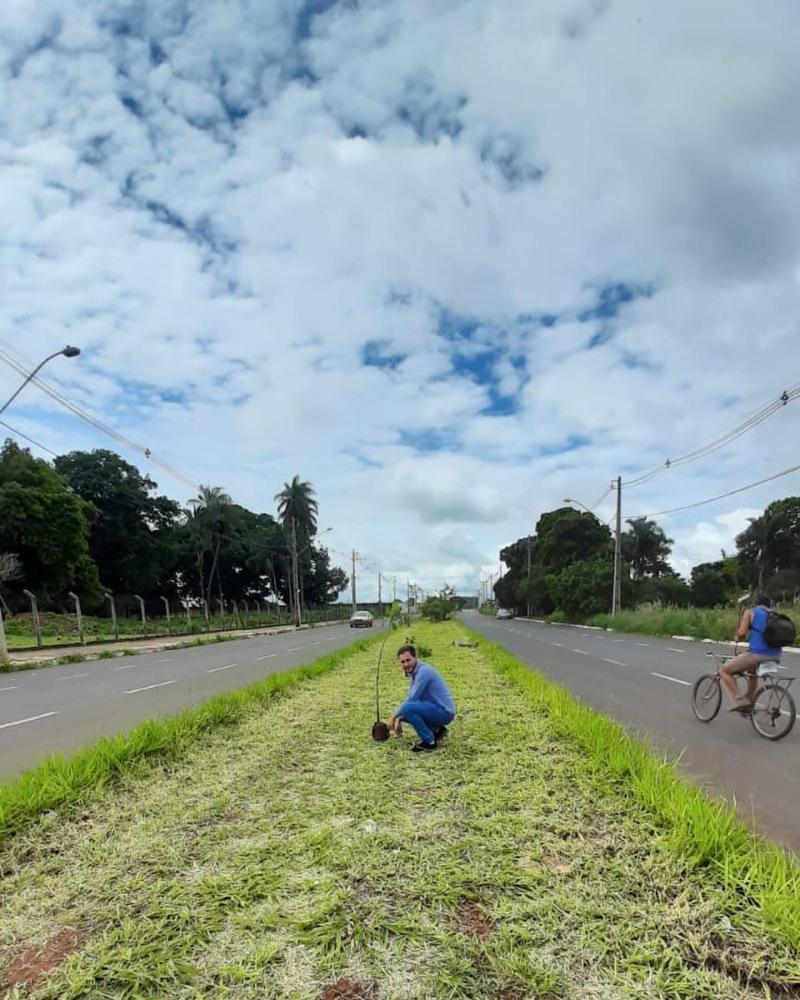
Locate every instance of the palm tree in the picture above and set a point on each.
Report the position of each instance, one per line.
(646, 548)
(297, 502)
(298, 509)
(210, 509)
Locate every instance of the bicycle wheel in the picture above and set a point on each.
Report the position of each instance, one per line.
(773, 712)
(706, 697)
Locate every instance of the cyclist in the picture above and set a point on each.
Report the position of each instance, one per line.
(753, 621)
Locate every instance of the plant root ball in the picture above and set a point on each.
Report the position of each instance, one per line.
(380, 732)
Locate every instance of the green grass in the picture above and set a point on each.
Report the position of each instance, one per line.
(700, 623)
(288, 852)
(62, 630)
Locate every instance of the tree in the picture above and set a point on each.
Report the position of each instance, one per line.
(47, 527)
(583, 588)
(211, 508)
(771, 543)
(132, 537)
(296, 502)
(645, 549)
(10, 569)
(714, 583)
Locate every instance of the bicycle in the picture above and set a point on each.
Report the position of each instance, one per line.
(773, 712)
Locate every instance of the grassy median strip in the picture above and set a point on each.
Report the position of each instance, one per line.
(60, 781)
(289, 856)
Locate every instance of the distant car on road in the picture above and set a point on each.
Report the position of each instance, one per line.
(503, 613)
(361, 619)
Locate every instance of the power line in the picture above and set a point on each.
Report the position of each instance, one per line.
(722, 496)
(747, 425)
(30, 440)
(98, 424)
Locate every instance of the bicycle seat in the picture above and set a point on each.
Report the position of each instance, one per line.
(770, 667)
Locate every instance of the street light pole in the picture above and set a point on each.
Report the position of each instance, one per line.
(68, 352)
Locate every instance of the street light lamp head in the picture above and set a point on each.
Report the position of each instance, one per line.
(568, 500)
(71, 352)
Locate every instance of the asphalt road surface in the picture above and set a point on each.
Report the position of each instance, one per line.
(645, 684)
(60, 709)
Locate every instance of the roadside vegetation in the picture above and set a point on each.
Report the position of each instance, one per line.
(539, 853)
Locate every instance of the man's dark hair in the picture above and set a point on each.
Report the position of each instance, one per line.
(763, 600)
(407, 649)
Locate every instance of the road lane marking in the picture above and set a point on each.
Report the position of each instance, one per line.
(73, 677)
(561, 644)
(618, 640)
(318, 643)
(150, 687)
(673, 650)
(128, 666)
(267, 657)
(292, 649)
(581, 651)
(675, 680)
(168, 660)
(615, 662)
(645, 644)
(216, 670)
(13, 688)
(32, 718)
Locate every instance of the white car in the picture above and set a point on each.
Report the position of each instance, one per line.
(361, 619)
(504, 614)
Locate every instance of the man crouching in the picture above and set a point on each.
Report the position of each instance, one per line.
(428, 707)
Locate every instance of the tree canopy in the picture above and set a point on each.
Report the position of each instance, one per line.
(91, 521)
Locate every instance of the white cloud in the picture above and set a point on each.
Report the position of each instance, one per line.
(218, 214)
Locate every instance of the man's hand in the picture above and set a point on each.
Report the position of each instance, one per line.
(395, 724)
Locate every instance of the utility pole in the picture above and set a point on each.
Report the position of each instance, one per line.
(615, 598)
(380, 602)
(528, 605)
(296, 576)
(353, 584)
(394, 588)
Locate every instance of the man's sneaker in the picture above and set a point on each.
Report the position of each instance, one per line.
(440, 732)
(423, 747)
(742, 704)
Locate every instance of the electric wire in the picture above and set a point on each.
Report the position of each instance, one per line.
(98, 424)
(747, 425)
(30, 440)
(722, 496)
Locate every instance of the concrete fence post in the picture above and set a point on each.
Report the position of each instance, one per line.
(169, 620)
(208, 616)
(144, 615)
(113, 606)
(37, 628)
(3, 643)
(79, 616)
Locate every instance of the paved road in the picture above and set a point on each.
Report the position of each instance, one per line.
(59, 709)
(645, 684)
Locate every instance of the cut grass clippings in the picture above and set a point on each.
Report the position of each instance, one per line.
(290, 856)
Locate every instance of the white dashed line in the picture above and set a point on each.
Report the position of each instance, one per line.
(618, 640)
(292, 649)
(169, 660)
(73, 677)
(267, 657)
(673, 650)
(561, 644)
(642, 643)
(150, 687)
(216, 670)
(14, 688)
(675, 680)
(318, 643)
(128, 666)
(32, 718)
(581, 651)
(615, 662)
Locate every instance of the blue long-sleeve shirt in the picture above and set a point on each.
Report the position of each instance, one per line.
(427, 684)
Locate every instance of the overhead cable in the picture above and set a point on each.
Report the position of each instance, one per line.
(747, 425)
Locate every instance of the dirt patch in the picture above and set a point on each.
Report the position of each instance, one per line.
(472, 920)
(350, 989)
(27, 966)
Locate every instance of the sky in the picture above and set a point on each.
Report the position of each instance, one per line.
(451, 261)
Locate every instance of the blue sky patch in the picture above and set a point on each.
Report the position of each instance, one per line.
(430, 440)
(611, 298)
(505, 153)
(602, 336)
(635, 360)
(571, 443)
(377, 354)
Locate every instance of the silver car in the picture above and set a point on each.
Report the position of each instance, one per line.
(504, 614)
(361, 619)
